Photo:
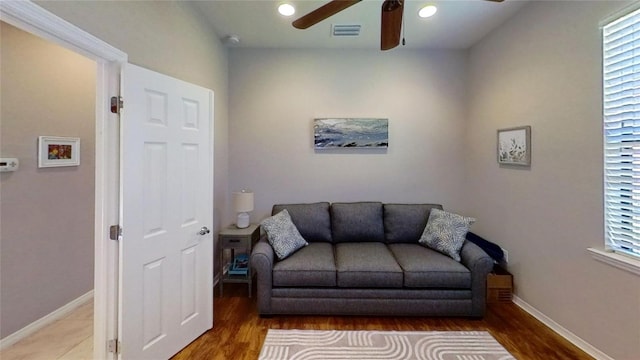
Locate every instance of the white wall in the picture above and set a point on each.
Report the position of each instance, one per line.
(543, 68)
(276, 94)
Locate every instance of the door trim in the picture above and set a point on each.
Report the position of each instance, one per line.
(30, 17)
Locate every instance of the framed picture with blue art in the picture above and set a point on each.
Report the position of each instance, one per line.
(332, 133)
(514, 146)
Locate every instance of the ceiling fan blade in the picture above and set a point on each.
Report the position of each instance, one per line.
(495, 0)
(323, 12)
(391, 24)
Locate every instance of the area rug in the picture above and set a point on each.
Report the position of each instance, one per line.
(378, 345)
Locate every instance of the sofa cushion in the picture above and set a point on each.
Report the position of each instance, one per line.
(357, 222)
(426, 268)
(312, 265)
(282, 234)
(366, 265)
(445, 232)
(404, 223)
(312, 220)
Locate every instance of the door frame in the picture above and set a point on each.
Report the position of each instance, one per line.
(31, 18)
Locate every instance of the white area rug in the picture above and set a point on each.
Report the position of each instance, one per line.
(374, 345)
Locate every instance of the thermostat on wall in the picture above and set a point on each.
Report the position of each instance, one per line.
(9, 164)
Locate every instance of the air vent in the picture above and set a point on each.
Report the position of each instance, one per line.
(345, 30)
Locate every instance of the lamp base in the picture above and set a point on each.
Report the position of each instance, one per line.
(243, 220)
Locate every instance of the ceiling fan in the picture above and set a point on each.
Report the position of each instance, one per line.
(391, 18)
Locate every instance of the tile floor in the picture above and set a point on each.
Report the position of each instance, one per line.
(70, 338)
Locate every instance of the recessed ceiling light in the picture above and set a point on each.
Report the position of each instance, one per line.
(427, 11)
(286, 9)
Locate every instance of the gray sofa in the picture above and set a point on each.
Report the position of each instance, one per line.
(364, 259)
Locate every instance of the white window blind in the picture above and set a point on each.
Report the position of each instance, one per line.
(621, 70)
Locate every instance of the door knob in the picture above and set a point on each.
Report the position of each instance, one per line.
(204, 231)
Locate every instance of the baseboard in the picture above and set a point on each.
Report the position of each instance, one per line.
(46, 320)
(571, 337)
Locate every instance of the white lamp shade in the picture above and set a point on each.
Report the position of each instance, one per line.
(243, 201)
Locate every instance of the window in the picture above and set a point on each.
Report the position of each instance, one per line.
(621, 106)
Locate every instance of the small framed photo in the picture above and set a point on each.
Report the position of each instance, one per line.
(514, 146)
(54, 151)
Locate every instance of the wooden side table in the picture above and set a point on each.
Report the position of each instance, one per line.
(237, 240)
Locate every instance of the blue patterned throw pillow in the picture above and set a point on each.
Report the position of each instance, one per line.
(445, 232)
(282, 234)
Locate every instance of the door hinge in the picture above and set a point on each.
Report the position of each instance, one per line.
(114, 232)
(113, 346)
(116, 104)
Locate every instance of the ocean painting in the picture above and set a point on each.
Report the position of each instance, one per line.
(351, 133)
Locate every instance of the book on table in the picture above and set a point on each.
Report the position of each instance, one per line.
(240, 265)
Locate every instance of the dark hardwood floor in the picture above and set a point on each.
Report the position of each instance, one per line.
(239, 332)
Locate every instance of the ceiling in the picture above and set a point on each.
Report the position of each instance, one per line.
(458, 24)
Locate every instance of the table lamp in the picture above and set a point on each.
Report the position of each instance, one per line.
(243, 203)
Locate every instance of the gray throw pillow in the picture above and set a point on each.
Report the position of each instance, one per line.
(282, 234)
(445, 232)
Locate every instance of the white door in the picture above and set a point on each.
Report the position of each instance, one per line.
(166, 206)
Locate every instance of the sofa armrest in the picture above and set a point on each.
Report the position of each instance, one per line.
(262, 260)
(480, 265)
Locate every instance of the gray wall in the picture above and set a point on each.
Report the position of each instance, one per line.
(171, 38)
(46, 230)
(543, 68)
(167, 37)
(276, 94)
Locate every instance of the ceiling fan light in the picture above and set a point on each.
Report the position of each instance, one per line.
(427, 11)
(286, 9)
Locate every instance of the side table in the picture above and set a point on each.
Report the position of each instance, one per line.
(237, 240)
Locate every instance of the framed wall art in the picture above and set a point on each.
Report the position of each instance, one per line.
(514, 146)
(350, 133)
(54, 151)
